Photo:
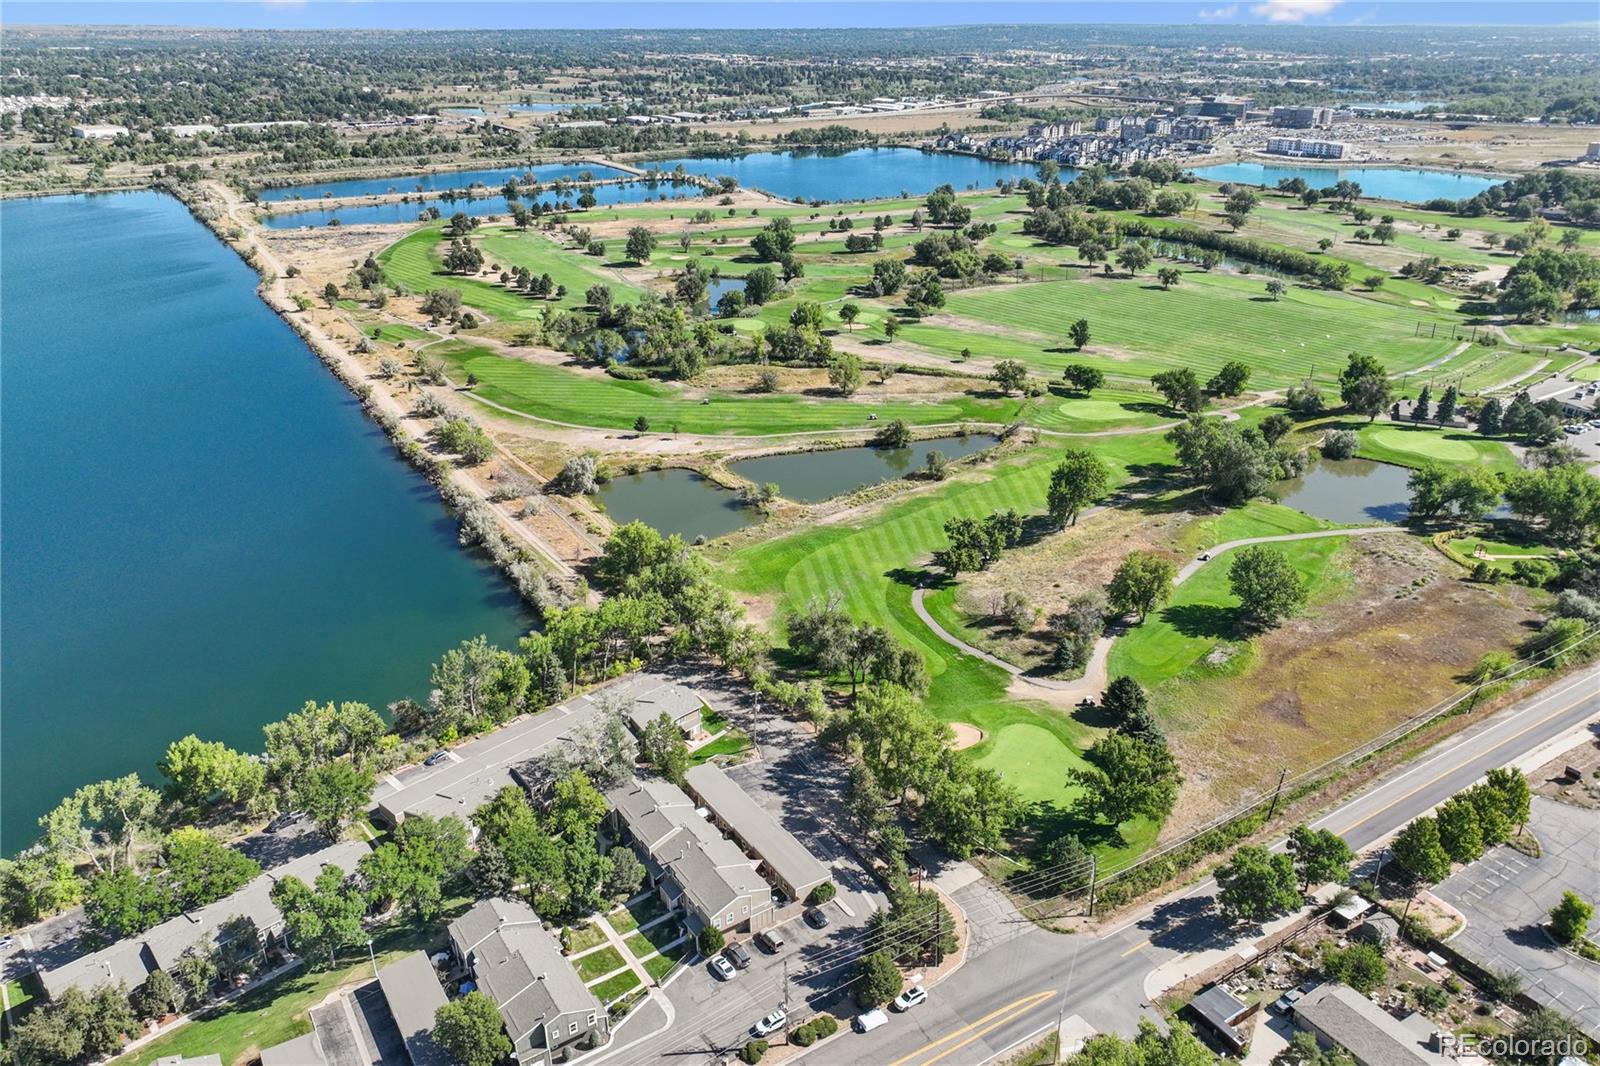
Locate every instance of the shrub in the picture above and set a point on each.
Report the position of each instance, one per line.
(753, 1051)
(1340, 444)
(1535, 573)
(712, 941)
(822, 894)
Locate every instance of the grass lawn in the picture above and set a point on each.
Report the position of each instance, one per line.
(1403, 445)
(1585, 335)
(395, 332)
(711, 721)
(634, 915)
(649, 941)
(1587, 373)
(733, 743)
(599, 962)
(583, 937)
(593, 400)
(1105, 409)
(659, 967)
(614, 988)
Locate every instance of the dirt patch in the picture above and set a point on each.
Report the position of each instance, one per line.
(1556, 780)
(967, 736)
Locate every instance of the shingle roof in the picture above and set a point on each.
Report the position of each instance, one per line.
(711, 871)
(520, 966)
(301, 1051)
(784, 855)
(1370, 1033)
(672, 699)
(414, 997)
(123, 962)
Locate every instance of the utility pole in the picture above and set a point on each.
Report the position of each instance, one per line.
(1061, 1018)
(1094, 870)
(938, 931)
(1273, 809)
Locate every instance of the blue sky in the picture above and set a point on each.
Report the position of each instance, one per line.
(745, 14)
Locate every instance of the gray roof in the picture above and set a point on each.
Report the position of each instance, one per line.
(131, 961)
(520, 966)
(650, 702)
(412, 990)
(179, 1060)
(774, 845)
(301, 1051)
(1220, 1009)
(1371, 1034)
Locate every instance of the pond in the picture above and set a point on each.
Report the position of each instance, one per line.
(676, 501)
(861, 174)
(199, 529)
(435, 181)
(1406, 184)
(1349, 491)
(807, 477)
(290, 216)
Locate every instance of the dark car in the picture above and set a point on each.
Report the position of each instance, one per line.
(436, 758)
(736, 954)
(817, 918)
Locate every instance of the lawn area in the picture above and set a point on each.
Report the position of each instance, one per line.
(1205, 321)
(648, 941)
(1105, 409)
(1201, 616)
(599, 962)
(567, 396)
(583, 937)
(395, 332)
(1591, 372)
(1585, 335)
(635, 914)
(874, 565)
(711, 721)
(1403, 445)
(734, 743)
(614, 988)
(659, 967)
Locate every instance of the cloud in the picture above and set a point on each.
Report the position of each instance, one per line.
(1293, 10)
(1219, 12)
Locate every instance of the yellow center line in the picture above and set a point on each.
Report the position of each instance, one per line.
(989, 1021)
(1140, 946)
(1446, 773)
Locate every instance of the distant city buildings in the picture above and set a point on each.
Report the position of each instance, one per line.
(1305, 149)
(1302, 118)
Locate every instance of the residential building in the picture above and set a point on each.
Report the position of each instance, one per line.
(98, 133)
(1302, 118)
(1339, 1016)
(648, 696)
(690, 863)
(131, 961)
(1299, 147)
(363, 1027)
(548, 1013)
(1224, 1014)
(784, 860)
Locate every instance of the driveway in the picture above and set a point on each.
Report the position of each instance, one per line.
(1506, 897)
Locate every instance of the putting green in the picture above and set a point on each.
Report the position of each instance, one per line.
(1095, 411)
(1032, 759)
(1016, 242)
(1428, 445)
(1587, 373)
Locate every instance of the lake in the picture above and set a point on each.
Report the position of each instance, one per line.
(1349, 491)
(435, 181)
(289, 216)
(807, 477)
(676, 501)
(200, 529)
(861, 174)
(1404, 184)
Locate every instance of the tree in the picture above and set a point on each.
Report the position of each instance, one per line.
(641, 424)
(891, 326)
(641, 242)
(469, 1031)
(1489, 417)
(1360, 966)
(330, 293)
(333, 794)
(760, 285)
(1459, 832)
(1133, 258)
(664, 748)
(1363, 386)
(894, 434)
(324, 917)
(100, 823)
(848, 313)
(970, 807)
(1077, 481)
(1126, 777)
(122, 903)
(1267, 585)
(1010, 375)
(158, 996)
(197, 869)
(1084, 379)
(1276, 289)
(1230, 380)
(1257, 884)
(1181, 389)
(1512, 786)
(844, 373)
(878, 979)
(1275, 427)
(1320, 856)
(1143, 581)
(1123, 701)
(1569, 919)
(1168, 277)
(199, 770)
(1417, 848)
(1079, 332)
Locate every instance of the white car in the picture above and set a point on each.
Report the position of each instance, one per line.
(771, 1023)
(866, 1023)
(910, 998)
(723, 968)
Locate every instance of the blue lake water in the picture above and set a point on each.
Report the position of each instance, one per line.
(1383, 183)
(861, 174)
(630, 192)
(434, 182)
(200, 529)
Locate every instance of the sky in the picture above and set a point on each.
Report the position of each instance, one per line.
(758, 14)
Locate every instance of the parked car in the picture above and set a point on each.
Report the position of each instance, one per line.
(817, 918)
(910, 998)
(736, 954)
(770, 940)
(771, 1023)
(436, 758)
(7, 943)
(866, 1023)
(284, 821)
(723, 968)
(1285, 1003)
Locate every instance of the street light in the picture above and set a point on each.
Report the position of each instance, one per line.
(372, 958)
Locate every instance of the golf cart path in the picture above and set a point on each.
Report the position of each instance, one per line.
(1093, 681)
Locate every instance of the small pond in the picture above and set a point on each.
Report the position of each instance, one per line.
(1349, 490)
(676, 501)
(808, 477)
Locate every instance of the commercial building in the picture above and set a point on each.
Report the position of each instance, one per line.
(547, 1012)
(690, 863)
(131, 961)
(98, 133)
(1305, 149)
(1339, 1016)
(1302, 118)
(785, 861)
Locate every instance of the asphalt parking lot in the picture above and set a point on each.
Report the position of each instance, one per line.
(1506, 897)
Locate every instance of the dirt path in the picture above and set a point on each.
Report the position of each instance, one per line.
(1093, 681)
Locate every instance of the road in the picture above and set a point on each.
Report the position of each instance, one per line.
(1020, 979)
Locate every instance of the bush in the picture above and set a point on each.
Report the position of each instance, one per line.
(711, 940)
(819, 1028)
(822, 894)
(753, 1051)
(624, 372)
(1535, 573)
(1340, 444)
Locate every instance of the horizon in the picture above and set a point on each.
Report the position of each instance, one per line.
(714, 15)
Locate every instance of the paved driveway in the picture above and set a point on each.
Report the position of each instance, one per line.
(1506, 897)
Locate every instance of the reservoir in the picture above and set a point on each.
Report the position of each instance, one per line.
(291, 215)
(436, 181)
(1404, 184)
(861, 174)
(201, 530)
(807, 477)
